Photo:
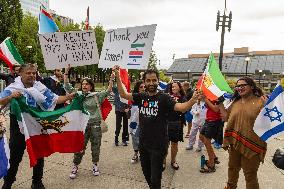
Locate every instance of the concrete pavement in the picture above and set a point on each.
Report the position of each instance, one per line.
(117, 171)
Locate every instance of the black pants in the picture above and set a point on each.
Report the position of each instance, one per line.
(152, 165)
(17, 146)
(119, 117)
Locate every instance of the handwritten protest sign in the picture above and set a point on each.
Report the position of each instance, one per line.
(76, 48)
(128, 47)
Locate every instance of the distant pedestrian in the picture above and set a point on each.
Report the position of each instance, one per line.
(198, 111)
(134, 128)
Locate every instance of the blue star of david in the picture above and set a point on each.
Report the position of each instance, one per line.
(278, 117)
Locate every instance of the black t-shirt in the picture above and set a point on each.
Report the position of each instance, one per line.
(174, 115)
(153, 113)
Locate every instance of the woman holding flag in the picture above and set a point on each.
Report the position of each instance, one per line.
(93, 131)
(246, 149)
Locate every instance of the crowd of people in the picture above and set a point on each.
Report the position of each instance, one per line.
(154, 119)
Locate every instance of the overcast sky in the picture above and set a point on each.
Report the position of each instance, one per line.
(187, 26)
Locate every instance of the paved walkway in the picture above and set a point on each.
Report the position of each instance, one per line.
(117, 171)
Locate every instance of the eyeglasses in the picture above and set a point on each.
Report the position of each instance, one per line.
(241, 86)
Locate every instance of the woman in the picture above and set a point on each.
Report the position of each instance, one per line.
(134, 122)
(176, 121)
(93, 130)
(246, 149)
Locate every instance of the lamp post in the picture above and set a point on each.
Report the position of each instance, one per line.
(30, 52)
(223, 21)
(259, 71)
(188, 71)
(247, 59)
(263, 80)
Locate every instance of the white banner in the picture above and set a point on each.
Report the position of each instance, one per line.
(128, 47)
(76, 48)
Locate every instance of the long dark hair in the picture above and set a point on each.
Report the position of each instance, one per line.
(255, 89)
(91, 82)
(136, 86)
(181, 91)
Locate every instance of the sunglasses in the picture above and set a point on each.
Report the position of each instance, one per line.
(241, 86)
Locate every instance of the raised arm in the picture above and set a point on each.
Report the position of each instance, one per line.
(183, 107)
(124, 94)
(63, 99)
(110, 85)
(213, 107)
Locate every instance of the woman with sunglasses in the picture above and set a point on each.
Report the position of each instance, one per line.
(134, 130)
(246, 149)
(93, 130)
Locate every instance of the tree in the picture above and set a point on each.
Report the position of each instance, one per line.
(163, 77)
(153, 61)
(10, 18)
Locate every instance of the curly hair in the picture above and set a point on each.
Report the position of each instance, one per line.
(255, 89)
(91, 82)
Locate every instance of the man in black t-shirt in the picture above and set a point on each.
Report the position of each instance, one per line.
(153, 110)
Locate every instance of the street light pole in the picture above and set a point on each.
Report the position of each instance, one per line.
(259, 71)
(223, 21)
(247, 59)
(30, 52)
(188, 71)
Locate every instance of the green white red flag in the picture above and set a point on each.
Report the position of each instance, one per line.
(8, 50)
(212, 81)
(47, 132)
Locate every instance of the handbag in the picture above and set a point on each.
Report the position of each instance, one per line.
(103, 125)
(278, 158)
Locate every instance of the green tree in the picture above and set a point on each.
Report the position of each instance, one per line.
(10, 18)
(163, 77)
(153, 61)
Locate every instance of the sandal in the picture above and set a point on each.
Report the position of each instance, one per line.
(208, 170)
(175, 166)
(187, 136)
(216, 161)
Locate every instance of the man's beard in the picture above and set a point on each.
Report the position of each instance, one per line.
(151, 88)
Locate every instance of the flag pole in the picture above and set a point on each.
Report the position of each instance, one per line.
(2, 82)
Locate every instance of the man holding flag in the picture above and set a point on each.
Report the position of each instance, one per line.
(37, 95)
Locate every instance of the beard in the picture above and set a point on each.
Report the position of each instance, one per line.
(151, 88)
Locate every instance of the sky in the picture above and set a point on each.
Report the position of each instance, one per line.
(187, 26)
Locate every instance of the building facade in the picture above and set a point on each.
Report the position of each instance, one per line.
(33, 6)
(266, 67)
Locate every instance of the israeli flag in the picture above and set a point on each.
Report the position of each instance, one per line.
(4, 156)
(162, 86)
(270, 121)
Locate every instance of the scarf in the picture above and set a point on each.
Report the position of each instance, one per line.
(38, 94)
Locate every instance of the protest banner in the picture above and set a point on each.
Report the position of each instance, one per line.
(128, 47)
(76, 48)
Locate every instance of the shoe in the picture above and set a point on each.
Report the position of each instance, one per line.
(37, 185)
(124, 144)
(216, 161)
(6, 186)
(74, 172)
(116, 143)
(208, 170)
(134, 159)
(175, 166)
(198, 149)
(189, 148)
(217, 146)
(96, 170)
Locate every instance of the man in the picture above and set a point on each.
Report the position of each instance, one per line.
(188, 116)
(37, 95)
(153, 109)
(9, 78)
(54, 83)
(121, 110)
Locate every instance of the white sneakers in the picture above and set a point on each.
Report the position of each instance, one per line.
(96, 170)
(74, 171)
